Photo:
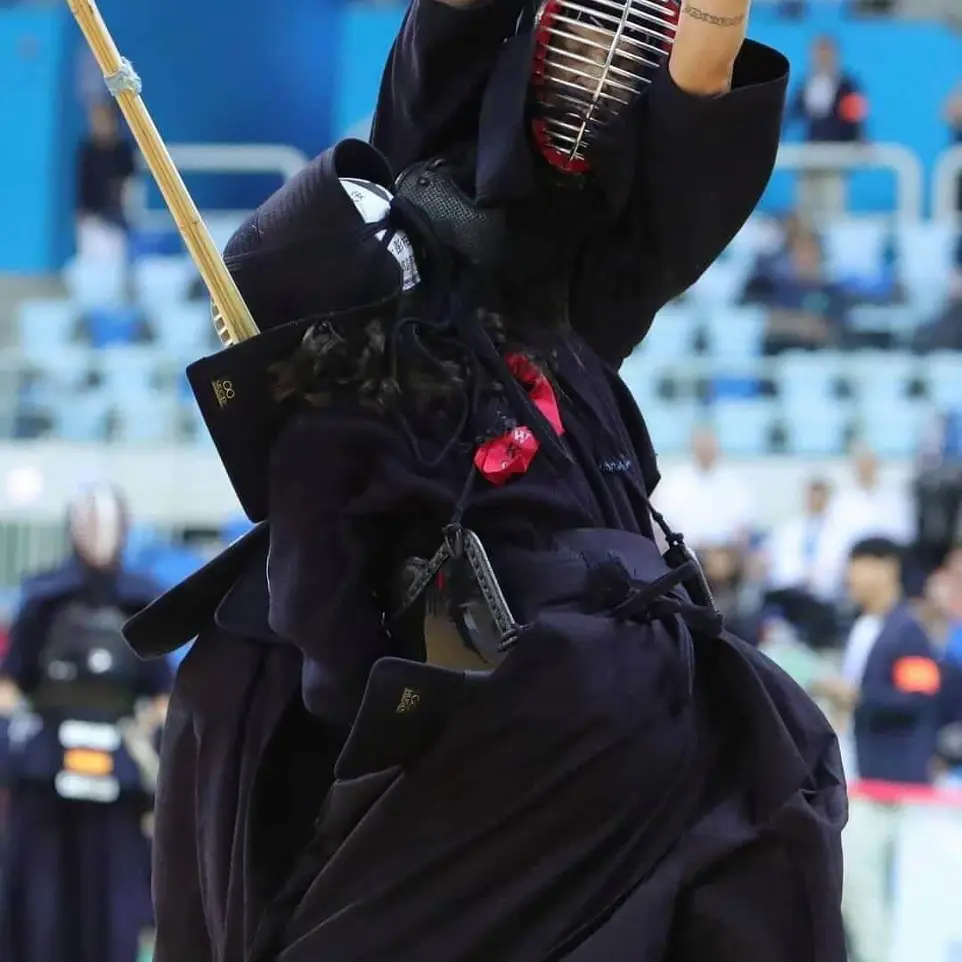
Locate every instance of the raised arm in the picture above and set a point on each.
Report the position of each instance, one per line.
(709, 128)
(431, 90)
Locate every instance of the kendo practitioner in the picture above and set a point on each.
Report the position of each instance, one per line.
(399, 390)
(77, 881)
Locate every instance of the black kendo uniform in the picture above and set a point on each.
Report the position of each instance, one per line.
(244, 767)
(742, 812)
(625, 784)
(77, 879)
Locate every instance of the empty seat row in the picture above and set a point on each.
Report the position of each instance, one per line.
(182, 330)
(149, 281)
(95, 415)
(870, 376)
(745, 427)
(921, 254)
(760, 426)
(123, 372)
(734, 332)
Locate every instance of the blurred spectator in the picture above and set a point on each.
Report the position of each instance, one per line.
(724, 568)
(952, 114)
(707, 501)
(890, 678)
(804, 581)
(890, 684)
(833, 109)
(937, 490)
(807, 310)
(773, 261)
(91, 88)
(105, 165)
(869, 507)
(944, 332)
(943, 599)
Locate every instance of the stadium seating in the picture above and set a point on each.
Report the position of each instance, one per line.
(161, 281)
(744, 426)
(44, 327)
(702, 359)
(182, 330)
(734, 333)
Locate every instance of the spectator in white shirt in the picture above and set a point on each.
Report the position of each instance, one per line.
(803, 583)
(868, 508)
(706, 500)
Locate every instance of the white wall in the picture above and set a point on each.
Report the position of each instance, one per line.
(177, 485)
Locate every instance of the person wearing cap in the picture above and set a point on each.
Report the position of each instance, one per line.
(447, 699)
(80, 712)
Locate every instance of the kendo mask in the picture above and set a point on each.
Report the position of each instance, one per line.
(326, 246)
(592, 58)
(97, 525)
(570, 72)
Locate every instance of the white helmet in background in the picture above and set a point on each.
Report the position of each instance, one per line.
(97, 523)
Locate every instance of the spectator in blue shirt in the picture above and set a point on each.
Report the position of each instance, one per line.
(808, 311)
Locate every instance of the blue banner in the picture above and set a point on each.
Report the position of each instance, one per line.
(367, 33)
(35, 175)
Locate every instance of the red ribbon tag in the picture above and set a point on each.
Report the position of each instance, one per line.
(513, 452)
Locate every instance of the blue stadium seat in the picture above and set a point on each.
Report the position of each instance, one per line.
(735, 333)
(880, 377)
(807, 376)
(235, 528)
(143, 543)
(183, 330)
(743, 427)
(172, 565)
(894, 429)
(196, 428)
(182, 389)
(129, 373)
(65, 368)
(160, 281)
(112, 325)
(96, 283)
(734, 386)
(44, 326)
(755, 236)
(943, 371)
(640, 376)
(221, 227)
(815, 426)
(82, 416)
(672, 336)
(670, 424)
(855, 247)
(924, 256)
(897, 319)
(151, 419)
(721, 284)
(165, 242)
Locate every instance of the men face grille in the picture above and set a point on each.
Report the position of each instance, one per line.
(592, 58)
